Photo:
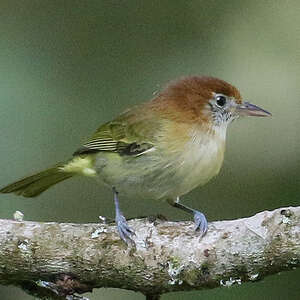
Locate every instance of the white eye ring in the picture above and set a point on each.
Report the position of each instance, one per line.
(220, 100)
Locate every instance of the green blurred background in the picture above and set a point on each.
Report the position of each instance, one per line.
(68, 66)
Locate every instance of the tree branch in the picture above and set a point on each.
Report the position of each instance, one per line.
(63, 259)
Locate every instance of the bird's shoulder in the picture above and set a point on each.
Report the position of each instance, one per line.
(131, 133)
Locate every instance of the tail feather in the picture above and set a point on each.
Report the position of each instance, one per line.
(34, 185)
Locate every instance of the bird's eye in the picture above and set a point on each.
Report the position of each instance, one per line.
(220, 100)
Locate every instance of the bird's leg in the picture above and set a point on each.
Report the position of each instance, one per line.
(199, 217)
(124, 230)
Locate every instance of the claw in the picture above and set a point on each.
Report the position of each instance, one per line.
(199, 218)
(124, 230)
(200, 222)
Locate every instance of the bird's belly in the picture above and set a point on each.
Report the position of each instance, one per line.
(156, 176)
(197, 170)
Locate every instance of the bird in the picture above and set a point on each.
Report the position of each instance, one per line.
(160, 149)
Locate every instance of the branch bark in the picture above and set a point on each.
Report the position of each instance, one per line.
(60, 259)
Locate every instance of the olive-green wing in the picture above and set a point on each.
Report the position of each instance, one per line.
(127, 135)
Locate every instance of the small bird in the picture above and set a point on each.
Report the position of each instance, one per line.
(161, 149)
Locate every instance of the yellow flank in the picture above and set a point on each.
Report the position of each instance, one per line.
(80, 165)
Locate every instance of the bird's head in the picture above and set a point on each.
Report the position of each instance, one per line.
(206, 100)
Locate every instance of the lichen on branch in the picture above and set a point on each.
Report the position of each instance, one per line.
(167, 256)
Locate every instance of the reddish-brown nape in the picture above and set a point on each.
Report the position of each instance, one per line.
(185, 100)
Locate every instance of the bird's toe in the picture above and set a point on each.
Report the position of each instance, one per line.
(124, 230)
(200, 222)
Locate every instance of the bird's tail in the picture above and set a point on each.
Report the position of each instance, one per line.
(34, 185)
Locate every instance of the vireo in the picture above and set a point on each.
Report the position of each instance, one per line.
(161, 149)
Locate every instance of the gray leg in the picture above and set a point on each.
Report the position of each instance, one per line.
(124, 230)
(199, 217)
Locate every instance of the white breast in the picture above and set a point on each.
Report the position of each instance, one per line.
(201, 158)
(171, 169)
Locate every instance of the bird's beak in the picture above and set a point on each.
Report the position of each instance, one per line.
(248, 109)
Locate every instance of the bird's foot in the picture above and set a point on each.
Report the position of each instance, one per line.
(200, 222)
(124, 230)
(199, 218)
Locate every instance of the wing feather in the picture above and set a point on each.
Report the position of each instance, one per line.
(127, 135)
